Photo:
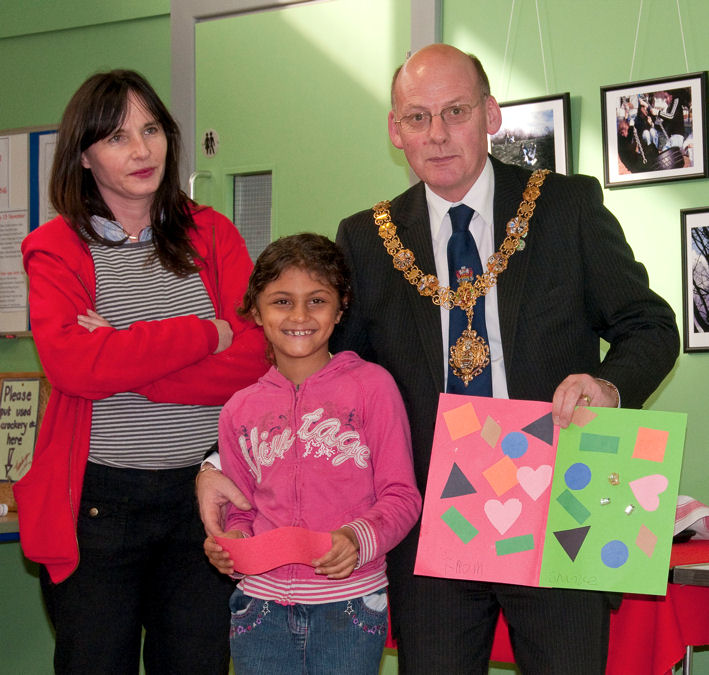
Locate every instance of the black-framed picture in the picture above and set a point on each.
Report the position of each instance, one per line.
(654, 130)
(695, 278)
(535, 133)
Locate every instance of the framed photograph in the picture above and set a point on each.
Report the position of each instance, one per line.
(654, 130)
(535, 134)
(695, 278)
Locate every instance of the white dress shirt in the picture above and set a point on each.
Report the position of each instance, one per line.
(480, 199)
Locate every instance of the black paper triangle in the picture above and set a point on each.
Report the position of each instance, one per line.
(543, 429)
(457, 484)
(572, 540)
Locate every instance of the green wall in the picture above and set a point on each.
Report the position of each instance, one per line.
(304, 92)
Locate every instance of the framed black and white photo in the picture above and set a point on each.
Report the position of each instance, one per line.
(654, 130)
(535, 134)
(695, 278)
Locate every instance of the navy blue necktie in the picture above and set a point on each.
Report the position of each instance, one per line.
(464, 265)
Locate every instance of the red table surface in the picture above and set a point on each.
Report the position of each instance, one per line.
(649, 633)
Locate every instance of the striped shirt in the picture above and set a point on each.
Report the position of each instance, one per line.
(317, 591)
(128, 430)
(320, 589)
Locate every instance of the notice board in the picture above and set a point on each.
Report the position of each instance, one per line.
(25, 162)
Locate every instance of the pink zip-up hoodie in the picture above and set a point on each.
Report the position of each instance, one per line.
(334, 451)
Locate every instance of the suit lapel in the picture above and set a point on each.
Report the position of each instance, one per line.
(509, 185)
(410, 215)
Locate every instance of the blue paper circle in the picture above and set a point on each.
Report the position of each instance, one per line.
(614, 554)
(514, 444)
(577, 476)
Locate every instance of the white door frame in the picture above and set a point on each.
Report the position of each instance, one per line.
(185, 14)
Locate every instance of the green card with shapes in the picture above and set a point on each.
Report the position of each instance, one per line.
(613, 500)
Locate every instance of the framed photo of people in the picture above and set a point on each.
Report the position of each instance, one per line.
(535, 133)
(654, 130)
(695, 278)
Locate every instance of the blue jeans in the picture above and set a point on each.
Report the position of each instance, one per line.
(338, 637)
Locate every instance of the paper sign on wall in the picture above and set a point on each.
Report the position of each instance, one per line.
(511, 498)
(19, 408)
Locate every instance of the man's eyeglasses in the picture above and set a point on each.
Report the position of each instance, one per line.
(421, 121)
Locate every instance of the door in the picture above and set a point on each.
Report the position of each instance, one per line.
(301, 92)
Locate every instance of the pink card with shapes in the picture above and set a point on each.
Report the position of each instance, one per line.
(511, 498)
(488, 490)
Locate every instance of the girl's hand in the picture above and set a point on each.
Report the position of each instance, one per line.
(341, 559)
(218, 556)
(91, 321)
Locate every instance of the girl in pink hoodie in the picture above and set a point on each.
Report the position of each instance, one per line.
(319, 442)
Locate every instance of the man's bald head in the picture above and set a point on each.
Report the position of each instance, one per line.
(443, 52)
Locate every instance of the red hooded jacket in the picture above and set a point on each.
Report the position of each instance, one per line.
(170, 360)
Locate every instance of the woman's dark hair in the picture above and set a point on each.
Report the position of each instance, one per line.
(97, 109)
(312, 252)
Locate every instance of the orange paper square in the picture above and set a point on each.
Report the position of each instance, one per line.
(502, 475)
(461, 421)
(650, 444)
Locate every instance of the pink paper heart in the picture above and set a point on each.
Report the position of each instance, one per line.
(534, 481)
(503, 516)
(647, 490)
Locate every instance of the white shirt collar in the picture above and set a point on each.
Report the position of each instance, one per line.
(479, 198)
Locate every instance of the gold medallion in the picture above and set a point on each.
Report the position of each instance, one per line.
(470, 355)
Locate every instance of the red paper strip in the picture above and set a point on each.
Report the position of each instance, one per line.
(282, 546)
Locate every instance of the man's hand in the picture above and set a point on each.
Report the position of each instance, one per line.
(214, 491)
(581, 389)
(341, 559)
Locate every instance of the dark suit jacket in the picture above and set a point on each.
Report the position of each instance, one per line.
(575, 282)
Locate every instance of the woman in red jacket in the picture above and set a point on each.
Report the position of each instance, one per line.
(133, 290)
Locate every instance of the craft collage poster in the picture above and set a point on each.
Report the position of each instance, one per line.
(511, 498)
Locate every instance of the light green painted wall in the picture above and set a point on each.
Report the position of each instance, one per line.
(41, 71)
(304, 91)
(39, 16)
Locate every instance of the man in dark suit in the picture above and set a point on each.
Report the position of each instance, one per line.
(574, 281)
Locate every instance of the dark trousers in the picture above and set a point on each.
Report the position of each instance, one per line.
(448, 626)
(142, 566)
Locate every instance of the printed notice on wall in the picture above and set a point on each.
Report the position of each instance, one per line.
(19, 407)
(25, 168)
(13, 284)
